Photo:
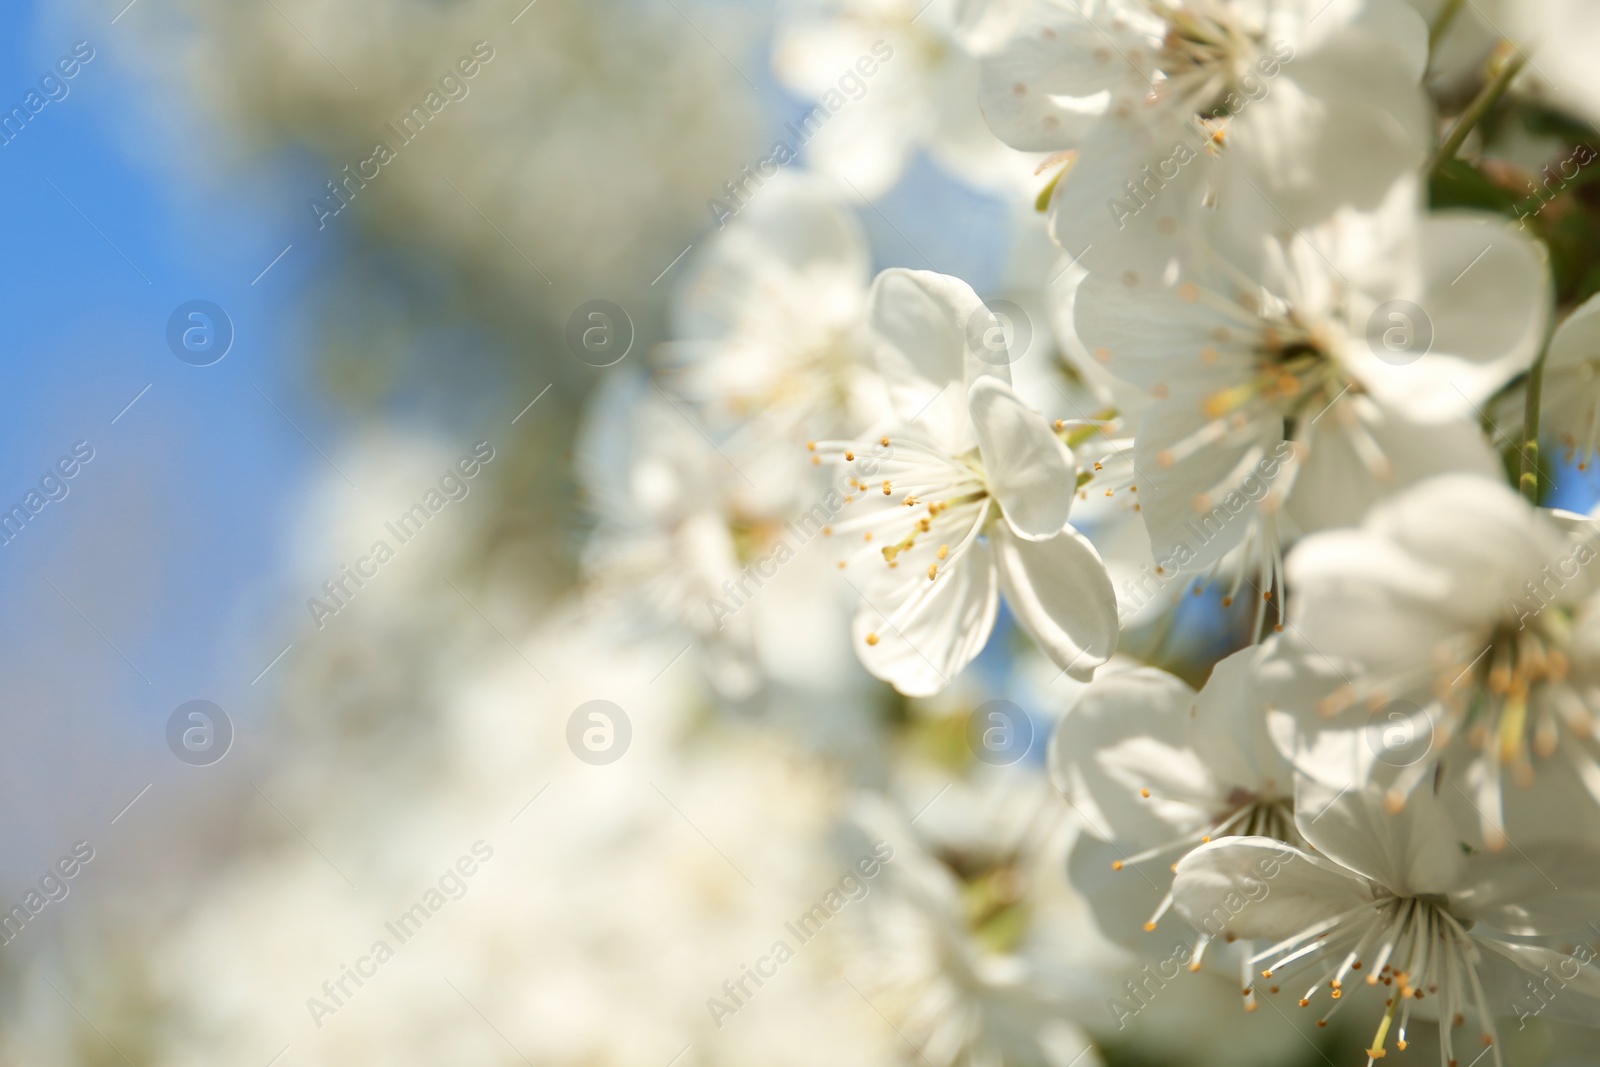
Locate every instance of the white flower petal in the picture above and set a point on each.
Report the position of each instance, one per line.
(1413, 852)
(922, 322)
(1289, 154)
(1484, 294)
(1094, 217)
(1229, 728)
(1536, 888)
(1567, 984)
(924, 651)
(1335, 486)
(1061, 595)
(1130, 731)
(1258, 888)
(1571, 409)
(1122, 900)
(1030, 471)
(1038, 89)
(1199, 502)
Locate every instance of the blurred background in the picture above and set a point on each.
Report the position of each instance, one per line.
(259, 343)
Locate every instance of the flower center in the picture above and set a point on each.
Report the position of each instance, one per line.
(1411, 945)
(1295, 369)
(1204, 54)
(1503, 717)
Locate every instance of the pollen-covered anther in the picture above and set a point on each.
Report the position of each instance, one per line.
(944, 550)
(1116, 865)
(872, 639)
(1144, 793)
(887, 489)
(933, 571)
(849, 456)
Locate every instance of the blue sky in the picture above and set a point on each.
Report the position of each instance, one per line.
(166, 546)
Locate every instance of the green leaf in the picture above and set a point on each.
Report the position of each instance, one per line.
(1460, 184)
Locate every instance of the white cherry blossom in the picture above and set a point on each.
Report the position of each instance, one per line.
(1147, 94)
(1459, 617)
(967, 497)
(1401, 902)
(1155, 769)
(1313, 373)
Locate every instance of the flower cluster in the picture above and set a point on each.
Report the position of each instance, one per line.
(1276, 455)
